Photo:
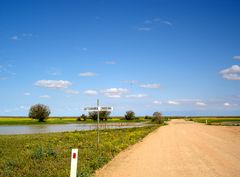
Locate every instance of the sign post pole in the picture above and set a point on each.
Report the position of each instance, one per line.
(98, 109)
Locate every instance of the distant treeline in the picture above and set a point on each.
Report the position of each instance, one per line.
(122, 117)
(189, 117)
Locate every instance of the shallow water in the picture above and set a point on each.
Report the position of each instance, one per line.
(32, 129)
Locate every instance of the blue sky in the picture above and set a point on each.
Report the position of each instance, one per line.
(176, 57)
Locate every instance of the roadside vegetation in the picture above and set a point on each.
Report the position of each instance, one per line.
(62, 120)
(49, 154)
(217, 121)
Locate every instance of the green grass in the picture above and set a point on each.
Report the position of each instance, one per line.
(56, 120)
(215, 120)
(48, 155)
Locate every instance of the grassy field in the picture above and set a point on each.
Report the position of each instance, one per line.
(56, 120)
(49, 154)
(216, 120)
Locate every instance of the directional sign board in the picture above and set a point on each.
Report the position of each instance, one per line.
(100, 108)
(106, 108)
(89, 109)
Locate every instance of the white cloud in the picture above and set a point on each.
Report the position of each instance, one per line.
(173, 102)
(188, 100)
(136, 96)
(237, 57)
(72, 92)
(27, 94)
(87, 74)
(57, 84)
(152, 86)
(227, 104)
(200, 104)
(231, 73)
(114, 92)
(144, 29)
(110, 62)
(157, 102)
(15, 38)
(90, 92)
(45, 96)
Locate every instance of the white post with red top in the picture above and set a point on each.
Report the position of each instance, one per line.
(74, 159)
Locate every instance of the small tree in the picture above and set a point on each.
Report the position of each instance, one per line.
(157, 117)
(39, 111)
(130, 115)
(93, 115)
(103, 115)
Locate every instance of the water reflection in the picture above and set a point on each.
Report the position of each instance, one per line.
(31, 129)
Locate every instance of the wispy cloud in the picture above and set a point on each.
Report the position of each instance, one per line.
(57, 84)
(188, 100)
(173, 102)
(143, 28)
(6, 70)
(131, 82)
(71, 92)
(237, 57)
(53, 71)
(27, 35)
(114, 92)
(167, 23)
(15, 38)
(27, 94)
(151, 86)
(21, 36)
(84, 49)
(136, 96)
(200, 104)
(87, 74)
(157, 102)
(110, 62)
(3, 78)
(231, 73)
(147, 22)
(90, 92)
(45, 96)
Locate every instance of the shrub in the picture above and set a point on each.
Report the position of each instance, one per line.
(148, 117)
(82, 117)
(130, 115)
(40, 112)
(157, 117)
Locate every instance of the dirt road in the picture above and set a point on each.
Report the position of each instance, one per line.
(181, 149)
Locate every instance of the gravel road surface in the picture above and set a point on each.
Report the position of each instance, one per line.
(181, 149)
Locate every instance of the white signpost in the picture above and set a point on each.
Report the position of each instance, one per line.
(98, 109)
(74, 159)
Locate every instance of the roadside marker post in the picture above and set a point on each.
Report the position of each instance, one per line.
(98, 109)
(74, 159)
